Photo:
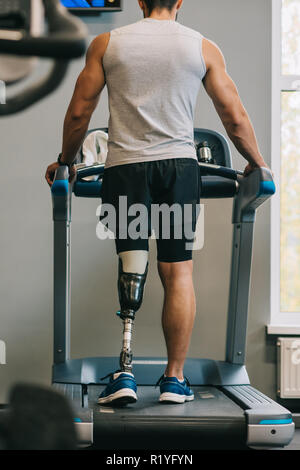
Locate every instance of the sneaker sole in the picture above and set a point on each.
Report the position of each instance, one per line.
(168, 397)
(121, 398)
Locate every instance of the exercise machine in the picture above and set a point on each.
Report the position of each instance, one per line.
(31, 29)
(23, 39)
(227, 411)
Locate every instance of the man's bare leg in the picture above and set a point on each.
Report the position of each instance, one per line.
(178, 313)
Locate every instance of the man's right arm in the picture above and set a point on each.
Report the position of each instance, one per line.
(227, 102)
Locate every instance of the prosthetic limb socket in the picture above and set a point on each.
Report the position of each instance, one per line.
(133, 268)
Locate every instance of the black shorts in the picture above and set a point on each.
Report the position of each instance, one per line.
(157, 186)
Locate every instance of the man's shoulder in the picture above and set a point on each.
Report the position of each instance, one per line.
(127, 29)
(139, 27)
(99, 44)
(189, 31)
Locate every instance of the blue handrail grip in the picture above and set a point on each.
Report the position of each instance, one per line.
(266, 188)
(88, 189)
(276, 421)
(60, 188)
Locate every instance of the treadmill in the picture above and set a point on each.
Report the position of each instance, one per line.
(227, 413)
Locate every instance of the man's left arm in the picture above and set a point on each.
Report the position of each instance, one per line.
(89, 86)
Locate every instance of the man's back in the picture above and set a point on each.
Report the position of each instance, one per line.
(153, 72)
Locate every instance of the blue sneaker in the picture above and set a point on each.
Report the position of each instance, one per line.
(120, 391)
(174, 391)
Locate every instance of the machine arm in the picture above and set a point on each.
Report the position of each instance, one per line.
(65, 40)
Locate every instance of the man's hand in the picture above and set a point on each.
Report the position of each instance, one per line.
(50, 173)
(250, 168)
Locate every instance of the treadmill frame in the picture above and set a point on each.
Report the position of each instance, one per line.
(268, 423)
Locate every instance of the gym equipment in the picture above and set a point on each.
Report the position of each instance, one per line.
(204, 153)
(227, 411)
(37, 419)
(20, 23)
(36, 416)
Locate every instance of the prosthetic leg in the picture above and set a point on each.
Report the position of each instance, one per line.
(133, 268)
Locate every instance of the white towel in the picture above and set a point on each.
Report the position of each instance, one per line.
(94, 151)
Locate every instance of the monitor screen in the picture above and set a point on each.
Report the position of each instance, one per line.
(92, 4)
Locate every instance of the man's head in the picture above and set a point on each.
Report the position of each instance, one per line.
(170, 6)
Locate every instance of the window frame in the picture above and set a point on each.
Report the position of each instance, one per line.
(280, 322)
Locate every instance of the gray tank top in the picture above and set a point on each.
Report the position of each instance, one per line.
(153, 71)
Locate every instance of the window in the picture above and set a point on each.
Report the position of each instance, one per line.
(285, 222)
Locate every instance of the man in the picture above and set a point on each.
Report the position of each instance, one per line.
(153, 70)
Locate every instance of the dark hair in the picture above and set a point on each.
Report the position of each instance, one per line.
(161, 4)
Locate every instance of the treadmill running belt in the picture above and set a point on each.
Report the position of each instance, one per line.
(211, 421)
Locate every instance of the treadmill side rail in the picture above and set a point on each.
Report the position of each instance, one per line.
(268, 423)
(275, 435)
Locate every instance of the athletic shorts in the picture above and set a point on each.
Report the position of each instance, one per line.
(143, 197)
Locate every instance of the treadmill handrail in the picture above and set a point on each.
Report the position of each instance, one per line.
(251, 190)
(254, 190)
(91, 170)
(217, 170)
(212, 176)
(209, 169)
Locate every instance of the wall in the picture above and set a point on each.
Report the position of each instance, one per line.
(32, 139)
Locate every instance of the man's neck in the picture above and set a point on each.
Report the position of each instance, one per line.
(163, 15)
